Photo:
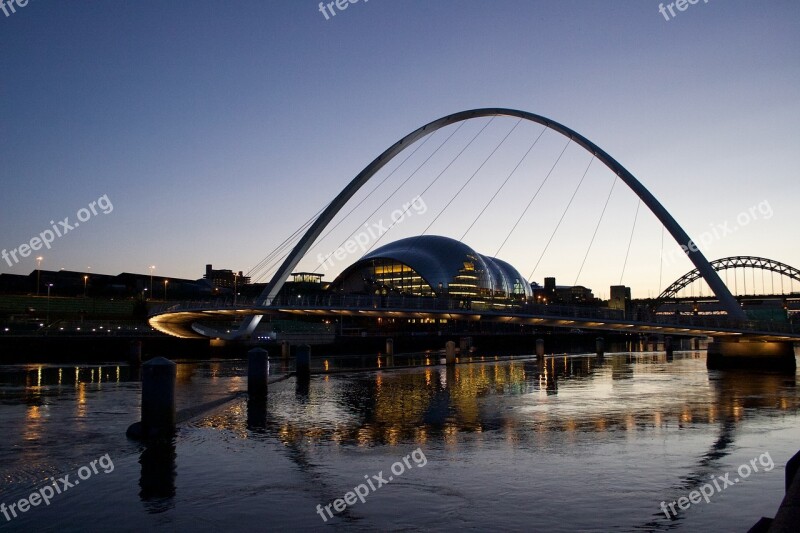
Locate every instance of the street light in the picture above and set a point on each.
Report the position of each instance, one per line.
(38, 272)
(152, 267)
(85, 279)
(49, 286)
(165, 289)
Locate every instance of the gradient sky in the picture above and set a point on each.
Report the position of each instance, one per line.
(216, 129)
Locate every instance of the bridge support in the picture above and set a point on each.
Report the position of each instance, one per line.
(734, 352)
(158, 401)
(450, 353)
(303, 361)
(257, 366)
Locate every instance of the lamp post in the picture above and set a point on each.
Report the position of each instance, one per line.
(38, 272)
(49, 286)
(165, 289)
(85, 279)
(152, 267)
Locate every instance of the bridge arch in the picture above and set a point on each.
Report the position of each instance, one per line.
(739, 261)
(681, 237)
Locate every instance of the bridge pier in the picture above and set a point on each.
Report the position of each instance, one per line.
(257, 369)
(600, 347)
(450, 353)
(734, 352)
(303, 362)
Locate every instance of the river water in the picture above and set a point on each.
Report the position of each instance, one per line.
(570, 444)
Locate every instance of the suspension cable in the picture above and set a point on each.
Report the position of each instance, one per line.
(630, 240)
(597, 227)
(504, 183)
(575, 192)
(508, 235)
(393, 193)
(432, 183)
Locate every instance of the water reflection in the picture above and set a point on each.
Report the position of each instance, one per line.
(157, 481)
(523, 399)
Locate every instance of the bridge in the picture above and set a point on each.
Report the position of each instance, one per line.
(186, 320)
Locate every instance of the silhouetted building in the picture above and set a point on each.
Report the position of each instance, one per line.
(227, 279)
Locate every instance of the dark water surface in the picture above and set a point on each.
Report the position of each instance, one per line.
(573, 444)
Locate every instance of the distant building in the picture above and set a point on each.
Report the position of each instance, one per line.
(566, 294)
(434, 266)
(620, 298)
(227, 279)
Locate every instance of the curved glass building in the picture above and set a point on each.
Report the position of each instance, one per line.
(430, 265)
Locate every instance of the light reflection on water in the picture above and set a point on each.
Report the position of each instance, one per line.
(573, 443)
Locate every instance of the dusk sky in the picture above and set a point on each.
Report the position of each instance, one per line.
(216, 129)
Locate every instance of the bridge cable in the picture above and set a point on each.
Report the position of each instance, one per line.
(596, 228)
(504, 183)
(277, 249)
(257, 271)
(630, 241)
(508, 235)
(431, 184)
(467, 182)
(395, 192)
(552, 235)
(418, 147)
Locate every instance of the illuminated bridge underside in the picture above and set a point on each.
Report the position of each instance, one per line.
(180, 323)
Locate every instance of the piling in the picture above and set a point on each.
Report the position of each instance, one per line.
(450, 352)
(303, 361)
(135, 353)
(539, 348)
(158, 398)
(286, 349)
(257, 369)
(600, 346)
(390, 347)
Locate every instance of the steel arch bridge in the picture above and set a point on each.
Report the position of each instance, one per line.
(703, 267)
(739, 261)
(678, 233)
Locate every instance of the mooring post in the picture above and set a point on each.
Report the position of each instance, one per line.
(286, 349)
(450, 352)
(539, 348)
(257, 369)
(390, 347)
(668, 346)
(600, 346)
(135, 353)
(303, 361)
(158, 397)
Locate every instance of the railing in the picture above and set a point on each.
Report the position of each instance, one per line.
(484, 307)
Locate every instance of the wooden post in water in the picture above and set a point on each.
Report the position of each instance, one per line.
(539, 348)
(158, 398)
(450, 352)
(600, 346)
(135, 353)
(257, 365)
(303, 361)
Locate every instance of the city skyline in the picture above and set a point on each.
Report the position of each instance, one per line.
(214, 152)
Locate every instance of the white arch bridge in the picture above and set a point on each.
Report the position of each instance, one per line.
(186, 320)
